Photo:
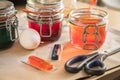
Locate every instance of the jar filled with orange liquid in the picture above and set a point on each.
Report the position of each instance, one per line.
(88, 28)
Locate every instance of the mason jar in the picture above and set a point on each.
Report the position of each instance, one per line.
(8, 24)
(45, 16)
(88, 28)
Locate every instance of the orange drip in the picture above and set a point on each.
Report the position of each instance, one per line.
(92, 3)
(39, 63)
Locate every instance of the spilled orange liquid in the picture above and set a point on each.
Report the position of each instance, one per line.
(70, 51)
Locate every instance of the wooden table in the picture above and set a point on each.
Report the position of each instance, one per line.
(11, 67)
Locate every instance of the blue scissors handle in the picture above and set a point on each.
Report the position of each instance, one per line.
(95, 66)
(81, 60)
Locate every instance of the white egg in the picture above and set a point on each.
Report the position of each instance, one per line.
(29, 39)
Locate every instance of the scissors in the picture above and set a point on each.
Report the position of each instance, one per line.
(92, 63)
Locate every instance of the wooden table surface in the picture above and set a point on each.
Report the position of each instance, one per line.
(11, 67)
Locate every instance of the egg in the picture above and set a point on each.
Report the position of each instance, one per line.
(29, 39)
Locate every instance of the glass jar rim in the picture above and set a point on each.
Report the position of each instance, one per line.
(44, 2)
(4, 5)
(77, 13)
(88, 10)
(7, 9)
(37, 8)
(54, 18)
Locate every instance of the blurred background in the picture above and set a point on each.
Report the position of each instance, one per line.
(18, 2)
(112, 4)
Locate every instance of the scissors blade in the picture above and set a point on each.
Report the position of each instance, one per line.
(112, 51)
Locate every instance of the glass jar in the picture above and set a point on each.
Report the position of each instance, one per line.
(88, 28)
(45, 16)
(8, 24)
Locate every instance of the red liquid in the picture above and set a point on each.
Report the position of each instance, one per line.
(56, 30)
(76, 33)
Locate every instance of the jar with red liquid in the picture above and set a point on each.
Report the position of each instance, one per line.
(45, 16)
(88, 28)
(8, 24)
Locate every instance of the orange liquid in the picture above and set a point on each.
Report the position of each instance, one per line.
(77, 35)
(40, 63)
(92, 3)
